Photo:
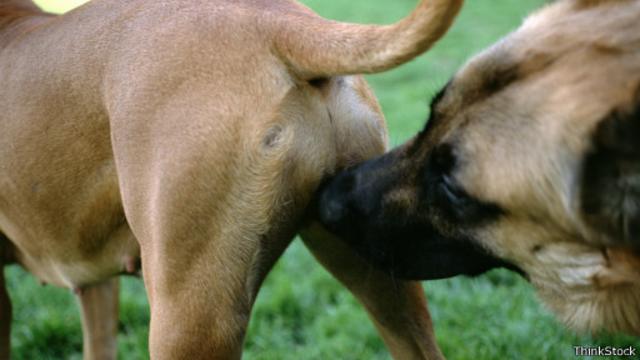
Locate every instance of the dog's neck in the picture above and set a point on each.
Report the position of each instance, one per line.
(15, 16)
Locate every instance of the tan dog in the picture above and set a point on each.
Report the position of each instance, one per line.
(191, 134)
(530, 160)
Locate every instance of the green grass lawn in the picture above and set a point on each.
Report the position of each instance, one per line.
(302, 313)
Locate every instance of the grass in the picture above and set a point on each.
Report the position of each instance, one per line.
(301, 312)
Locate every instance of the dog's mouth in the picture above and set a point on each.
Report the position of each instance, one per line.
(415, 252)
(579, 266)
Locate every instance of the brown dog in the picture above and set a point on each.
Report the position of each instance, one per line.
(191, 134)
(530, 160)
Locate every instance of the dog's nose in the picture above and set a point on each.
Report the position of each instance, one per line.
(334, 200)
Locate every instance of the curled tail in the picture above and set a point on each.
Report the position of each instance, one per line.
(316, 47)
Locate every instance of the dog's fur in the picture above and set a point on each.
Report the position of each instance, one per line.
(191, 135)
(530, 160)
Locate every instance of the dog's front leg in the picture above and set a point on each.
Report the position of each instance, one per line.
(398, 308)
(5, 317)
(99, 305)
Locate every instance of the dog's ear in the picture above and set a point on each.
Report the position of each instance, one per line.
(610, 191)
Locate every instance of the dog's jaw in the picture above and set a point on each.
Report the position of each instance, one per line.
(589, 289)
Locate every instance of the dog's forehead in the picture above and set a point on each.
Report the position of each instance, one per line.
(554, 31)
(592, 45)
(565, 68)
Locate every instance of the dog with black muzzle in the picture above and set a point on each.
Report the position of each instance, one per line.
(529, 160)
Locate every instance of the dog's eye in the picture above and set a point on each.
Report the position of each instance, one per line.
(444, 162)
(458, 206)
(444, 159)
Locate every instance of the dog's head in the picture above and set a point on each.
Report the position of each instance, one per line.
(529, 160)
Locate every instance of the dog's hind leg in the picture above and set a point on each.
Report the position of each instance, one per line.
(202, 273)
(201, 249)
(398, 308)
(202, 313)
(99, 305)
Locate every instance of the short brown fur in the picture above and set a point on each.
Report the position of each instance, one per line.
(186, 133)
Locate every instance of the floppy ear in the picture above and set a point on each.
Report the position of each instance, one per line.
(610, 192)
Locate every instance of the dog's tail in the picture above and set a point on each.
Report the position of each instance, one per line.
(12, 10)
(317, 48)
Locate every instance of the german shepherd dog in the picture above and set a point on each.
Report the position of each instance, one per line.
(530, 160)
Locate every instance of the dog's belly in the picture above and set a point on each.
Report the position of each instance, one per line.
(118, 254)
(70, 238)
(96, 249)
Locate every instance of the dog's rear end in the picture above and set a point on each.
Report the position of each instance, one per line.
(192, 134)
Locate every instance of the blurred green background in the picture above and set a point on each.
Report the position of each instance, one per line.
(301, 312)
